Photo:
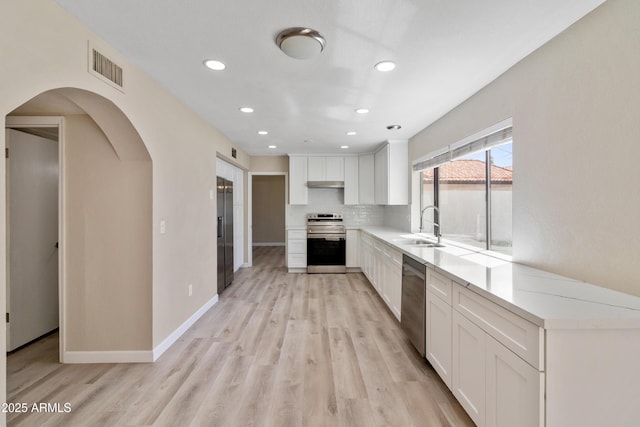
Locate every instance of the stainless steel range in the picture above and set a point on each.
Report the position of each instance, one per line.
(326, 243)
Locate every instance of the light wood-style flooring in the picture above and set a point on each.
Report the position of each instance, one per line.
(277, 350)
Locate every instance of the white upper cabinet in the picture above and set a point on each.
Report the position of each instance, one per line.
(298, 191)
(316, 169)
(381, 178)
(366, 183)
(351, 181)
(335, 169)
(330, 168)
(391, 165)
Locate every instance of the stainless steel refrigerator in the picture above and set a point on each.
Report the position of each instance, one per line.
(225, 233)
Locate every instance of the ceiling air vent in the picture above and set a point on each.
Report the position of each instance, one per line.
(105, 69)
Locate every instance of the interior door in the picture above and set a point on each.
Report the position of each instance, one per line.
(32, 224)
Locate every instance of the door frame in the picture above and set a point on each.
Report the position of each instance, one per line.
(250, 208)
(17, 122)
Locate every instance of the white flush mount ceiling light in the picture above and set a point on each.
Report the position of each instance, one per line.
(362, 110)
(351, 133)
(344, 147)
(263, 132)
(246, 109)
(272, 146)
(214, 65)
(300, 43)
(385, 66)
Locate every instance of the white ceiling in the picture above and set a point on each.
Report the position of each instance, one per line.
(445, 51)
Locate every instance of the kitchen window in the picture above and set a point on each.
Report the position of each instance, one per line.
(470, 184)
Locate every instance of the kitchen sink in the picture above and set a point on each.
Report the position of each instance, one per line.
(427, 244)
(418, 242)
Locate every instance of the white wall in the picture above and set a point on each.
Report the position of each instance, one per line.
(398, 217)
(107, 243)
(183, 149)
(576, 127)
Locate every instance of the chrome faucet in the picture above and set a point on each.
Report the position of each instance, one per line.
(435, 209)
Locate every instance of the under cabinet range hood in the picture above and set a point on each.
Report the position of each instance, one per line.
(325, 184)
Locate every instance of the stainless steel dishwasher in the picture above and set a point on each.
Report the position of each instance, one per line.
(412, 316)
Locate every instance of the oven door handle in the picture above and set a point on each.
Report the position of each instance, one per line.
(326, 237)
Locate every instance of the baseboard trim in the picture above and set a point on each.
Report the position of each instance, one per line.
(168, 342)
(141, 356)
(137, 356)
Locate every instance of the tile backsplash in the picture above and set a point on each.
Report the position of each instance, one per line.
(398, 217)
(331, 200)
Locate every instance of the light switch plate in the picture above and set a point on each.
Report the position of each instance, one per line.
(163, 226)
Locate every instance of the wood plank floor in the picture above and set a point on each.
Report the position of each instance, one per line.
(277, 350)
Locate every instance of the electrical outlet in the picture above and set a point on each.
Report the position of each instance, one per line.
(190, 289)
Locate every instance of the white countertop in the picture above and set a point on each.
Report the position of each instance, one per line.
(545, 299)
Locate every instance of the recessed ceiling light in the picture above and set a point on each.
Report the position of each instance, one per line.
(344, 147)
(351, 133)
(394, 127)
(246, 109)
(263, 132)
(385, 66)
(214, 65)
(362, 110)
(272, 146)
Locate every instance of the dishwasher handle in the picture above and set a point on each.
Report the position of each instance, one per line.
(408, 266)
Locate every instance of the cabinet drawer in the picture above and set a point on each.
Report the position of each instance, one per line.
(517, 334)
(297, 260)
(394, 255)
(297, 234)
(439, 285)
(297, 247)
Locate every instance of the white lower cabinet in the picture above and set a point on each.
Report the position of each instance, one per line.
(353, 249)
(468, 373)
(496, 386)
(514, 389)
(296, 250)
(392, 280)
(366, 256)
(438, 336)
(382, 265)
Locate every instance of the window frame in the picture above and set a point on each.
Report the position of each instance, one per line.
(504, 126)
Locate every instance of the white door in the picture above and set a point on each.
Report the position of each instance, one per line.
(32, 216)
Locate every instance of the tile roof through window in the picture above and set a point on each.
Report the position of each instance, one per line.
(470, 172)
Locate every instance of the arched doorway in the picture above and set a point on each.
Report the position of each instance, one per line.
(105, 228)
